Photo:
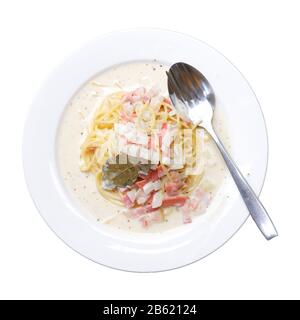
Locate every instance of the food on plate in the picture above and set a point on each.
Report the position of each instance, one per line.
(144, 156)
(127, 157)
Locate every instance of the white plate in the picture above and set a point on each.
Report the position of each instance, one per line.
(143, 252)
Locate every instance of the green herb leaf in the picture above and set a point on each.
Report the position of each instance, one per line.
(122, 171)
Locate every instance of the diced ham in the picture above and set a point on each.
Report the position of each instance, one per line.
(145, 98)
(164, 125)
(140, 184)
(139, 91)
(127, 202)
(160, 171)
(177, 201)
(135, 95)
(172, 188)
(149, 208)
(198, 196)
(149, 218)
(144, 222)
(156, 217)
(142, 175)
(199, 193)
(193, 203)
(198, 201)
(153, 175)
(149, 143)
(186, 217)
(167, 100)
(140, 211)
(162, 132)
(136, 213)
(153, 166)
(153, 142)
(125, 117)
(186, 213)
(175, 176)
(128, 98)
(150, 197)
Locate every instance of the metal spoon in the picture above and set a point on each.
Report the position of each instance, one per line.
(194, 100)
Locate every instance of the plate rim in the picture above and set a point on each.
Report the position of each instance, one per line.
(107, 35)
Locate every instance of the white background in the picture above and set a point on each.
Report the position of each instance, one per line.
(261, 38)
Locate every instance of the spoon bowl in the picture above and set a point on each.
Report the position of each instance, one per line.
(191, 93)
(194, 99)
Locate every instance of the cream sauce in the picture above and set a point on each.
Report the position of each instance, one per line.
(74, 123)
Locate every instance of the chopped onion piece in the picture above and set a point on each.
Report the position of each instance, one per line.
(156, 185)
(141, 197)
(144, 153)
(132, 194)
(151, 186)
(133, 150)
(154, 91)
(157, 199)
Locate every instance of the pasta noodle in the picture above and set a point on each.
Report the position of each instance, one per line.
(149, 114)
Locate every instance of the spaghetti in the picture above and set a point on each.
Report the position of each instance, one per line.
(143, 124)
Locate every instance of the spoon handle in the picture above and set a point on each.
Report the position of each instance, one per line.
(255, 207)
